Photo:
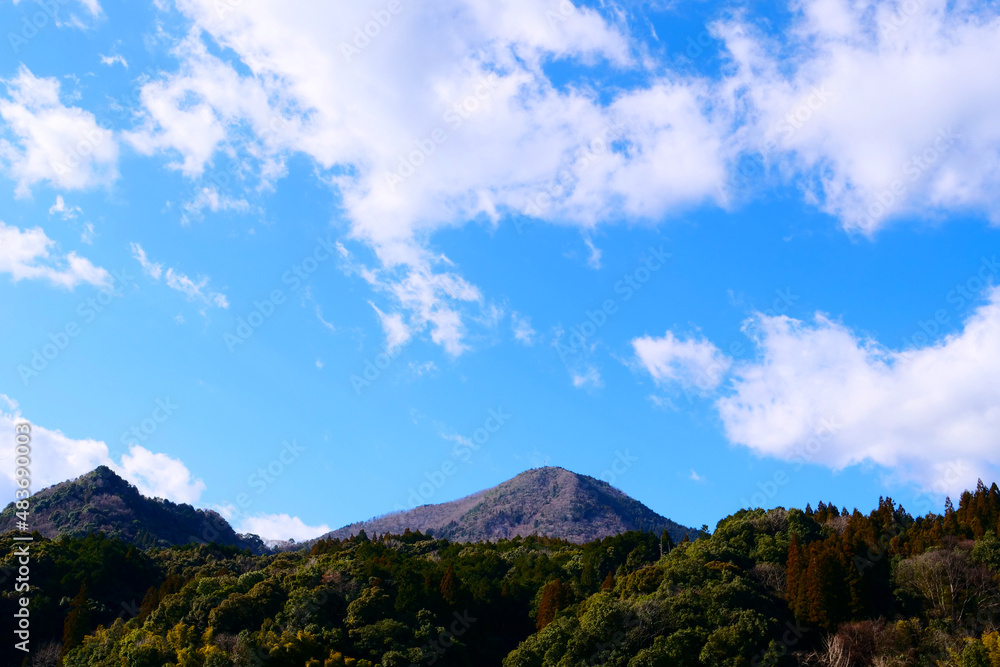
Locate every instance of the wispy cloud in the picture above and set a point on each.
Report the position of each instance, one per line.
(419, 369)
(522, 329)
(326, 325)
(396, 331)
(88, 233)
(193, 290)
(114, 59)
(589, 378)
(594, 260)
(64, 211)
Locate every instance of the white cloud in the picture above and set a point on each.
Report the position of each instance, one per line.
(884, 109)
(209, 197)
(589, 378)
(151, 269)
(28, 255)
(823, 394)
(419, 369)
(72, 19)
(521, 326)
(87, 235)
(433, 299)
(690, 363)
(459, 439)
(194, 291)
(594, 260)
(93, 6)
(43, 140)
(840, 107)
(9, 407)
(397, 333)
(483, 88)
(192, 114)
(280, 527)
(695, 477)
(114, 58)
(56, 457)
(326, 325)
(421, 299)
(160, 475)
(66, 212)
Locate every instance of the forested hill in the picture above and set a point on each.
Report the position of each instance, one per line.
(781, 588)
(103, 502)
(548, 501)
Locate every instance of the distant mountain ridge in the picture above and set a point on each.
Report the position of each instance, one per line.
(549, 501)
(101, 501)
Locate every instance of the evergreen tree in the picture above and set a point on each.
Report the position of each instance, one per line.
(77, 620)
(449, 586)
(794, 570)
(666, 543)
(553, 599)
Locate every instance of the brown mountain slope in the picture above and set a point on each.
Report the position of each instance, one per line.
(548, 501)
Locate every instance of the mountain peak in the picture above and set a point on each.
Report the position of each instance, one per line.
(106, 475)
(103, 471)
(544, 470)
(104, 502)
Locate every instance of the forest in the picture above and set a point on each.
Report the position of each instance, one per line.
(823, 586)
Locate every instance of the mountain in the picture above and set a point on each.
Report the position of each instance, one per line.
(101, 501)
(548, 501)
(545, 501)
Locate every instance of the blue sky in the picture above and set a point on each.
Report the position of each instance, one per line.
(257, 259)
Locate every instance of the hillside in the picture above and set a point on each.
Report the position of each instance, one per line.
(551, 501)
(547, 501)
(103, 502)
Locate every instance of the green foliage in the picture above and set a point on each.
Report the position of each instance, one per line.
(987, 551)
(975, 655)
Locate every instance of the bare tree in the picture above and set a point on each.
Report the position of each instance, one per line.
(771, 576)
(835, 652)
(46, 655)
(949, 582)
